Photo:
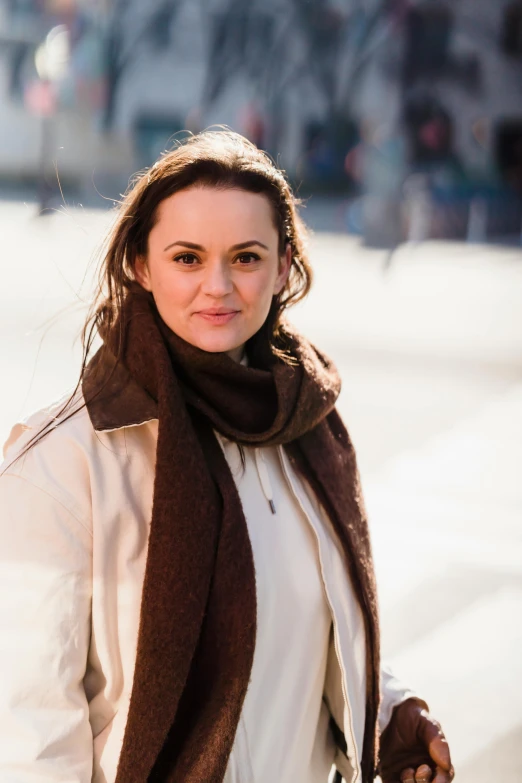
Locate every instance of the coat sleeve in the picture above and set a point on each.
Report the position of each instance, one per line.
(393, 692)
(45, 606)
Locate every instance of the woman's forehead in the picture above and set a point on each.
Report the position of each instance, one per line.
(215, 211)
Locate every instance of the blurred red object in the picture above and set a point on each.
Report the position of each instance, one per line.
(40, 98)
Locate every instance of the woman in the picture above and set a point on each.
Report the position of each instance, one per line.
(187, 586)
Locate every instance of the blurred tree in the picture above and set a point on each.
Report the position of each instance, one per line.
(240, 36)
(127, 28)
(328, 44)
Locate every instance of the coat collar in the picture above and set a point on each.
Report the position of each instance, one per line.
(113, 398)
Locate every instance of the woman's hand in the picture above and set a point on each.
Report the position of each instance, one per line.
(413, 748)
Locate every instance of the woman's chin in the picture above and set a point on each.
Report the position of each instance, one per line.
(218, 343)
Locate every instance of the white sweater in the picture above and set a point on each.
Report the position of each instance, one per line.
(284, 710)
(309, 662)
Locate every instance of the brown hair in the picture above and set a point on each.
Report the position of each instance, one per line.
(221, 159)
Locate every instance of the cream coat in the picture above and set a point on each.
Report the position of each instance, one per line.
(74, 524)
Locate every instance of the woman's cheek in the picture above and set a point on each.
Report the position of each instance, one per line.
(260, 289)
(179, 287)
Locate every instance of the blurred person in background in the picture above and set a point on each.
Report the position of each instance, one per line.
(186, 581)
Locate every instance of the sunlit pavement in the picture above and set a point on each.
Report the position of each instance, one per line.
(430, 351)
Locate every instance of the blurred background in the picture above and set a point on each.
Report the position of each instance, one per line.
(399, 123)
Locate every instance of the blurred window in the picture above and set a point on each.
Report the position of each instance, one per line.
(508, 152)
(428, 34)
(429, 128)
(512, 30)
(153, 134)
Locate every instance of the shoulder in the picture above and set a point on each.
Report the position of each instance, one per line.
(64, 421)
(58, 451)
(50, 451)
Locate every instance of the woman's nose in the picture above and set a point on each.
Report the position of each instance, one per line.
(217, 281)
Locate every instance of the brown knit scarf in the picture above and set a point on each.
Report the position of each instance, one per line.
(198, 614)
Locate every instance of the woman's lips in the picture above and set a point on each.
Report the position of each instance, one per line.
(218, 317)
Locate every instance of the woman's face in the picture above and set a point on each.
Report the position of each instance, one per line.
(213, 266)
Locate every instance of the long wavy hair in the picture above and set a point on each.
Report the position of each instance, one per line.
(215, 158)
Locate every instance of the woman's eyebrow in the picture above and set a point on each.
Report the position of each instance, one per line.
(242, 245)
(194, 246)
(191, 245)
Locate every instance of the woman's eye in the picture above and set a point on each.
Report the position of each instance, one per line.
(247, 258)
(186, 259)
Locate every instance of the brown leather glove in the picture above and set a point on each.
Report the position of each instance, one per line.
(413, 747)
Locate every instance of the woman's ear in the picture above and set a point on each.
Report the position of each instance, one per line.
(141, 273)
(285, 262)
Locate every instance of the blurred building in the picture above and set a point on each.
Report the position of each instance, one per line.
(392, 101)
(49, 120)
